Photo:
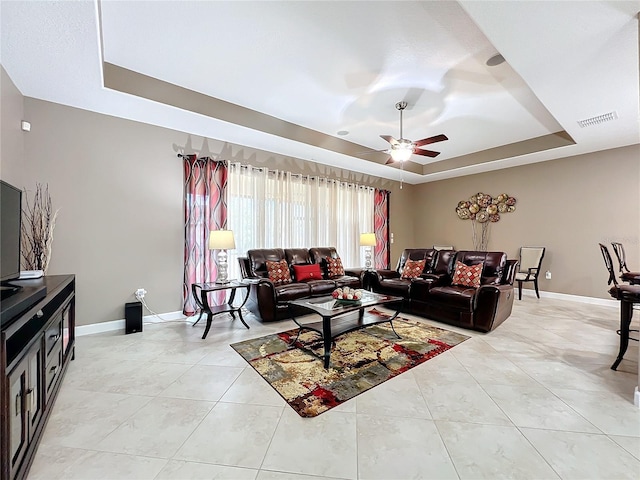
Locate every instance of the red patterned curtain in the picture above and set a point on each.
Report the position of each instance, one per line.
(382, 251)
(205, 209)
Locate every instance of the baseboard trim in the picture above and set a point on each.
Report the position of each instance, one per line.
(114, 325)
(173, 316)
(571, 298)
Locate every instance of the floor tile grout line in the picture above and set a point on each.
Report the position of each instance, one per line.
(172, 457)
(453, 463)
(266, 452)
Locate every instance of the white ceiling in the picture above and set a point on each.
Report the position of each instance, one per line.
(333, 65)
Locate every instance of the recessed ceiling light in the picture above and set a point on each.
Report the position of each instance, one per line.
(342, 133)
(497, 59)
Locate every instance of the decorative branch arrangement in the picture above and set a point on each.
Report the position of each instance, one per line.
(38, 222)
(484, 209)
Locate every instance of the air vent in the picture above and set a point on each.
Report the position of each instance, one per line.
(607, 117)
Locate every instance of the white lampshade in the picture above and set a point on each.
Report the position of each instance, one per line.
(367, 239)
(221, 240)
(401, 151)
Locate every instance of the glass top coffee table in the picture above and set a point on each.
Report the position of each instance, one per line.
(339, 317)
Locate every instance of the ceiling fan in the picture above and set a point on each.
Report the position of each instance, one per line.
(402, 149)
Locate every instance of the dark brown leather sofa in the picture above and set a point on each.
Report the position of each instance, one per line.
(433, 296)
(269, 301)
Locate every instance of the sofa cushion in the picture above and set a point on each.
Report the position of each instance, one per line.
(426, 254)
(334, 267)
(494, 262)
(278, 272)
(413, 268)
(467, 276)
(307, 272)
(258, 260)
(443, 261)
(298, 256)
(453, 296)
(285, 292)
(321, 287)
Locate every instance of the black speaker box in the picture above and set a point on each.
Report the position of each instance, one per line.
(133, 317)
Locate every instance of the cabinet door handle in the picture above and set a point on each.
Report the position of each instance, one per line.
(19, 403)
(39, 314)
(54, 369)
(54, 337)
(31, 399)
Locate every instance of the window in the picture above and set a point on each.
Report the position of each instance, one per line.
(274, 209)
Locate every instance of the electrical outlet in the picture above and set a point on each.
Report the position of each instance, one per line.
(548, 275)
(140, 293)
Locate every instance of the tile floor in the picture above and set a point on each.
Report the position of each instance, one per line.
(533, 399)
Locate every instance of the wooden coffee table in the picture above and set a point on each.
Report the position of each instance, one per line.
(339, 318)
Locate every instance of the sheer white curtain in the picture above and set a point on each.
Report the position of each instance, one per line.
(275, 209)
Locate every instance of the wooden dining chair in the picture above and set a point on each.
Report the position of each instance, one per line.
(530, 262)
(628, 296)
(625, 275)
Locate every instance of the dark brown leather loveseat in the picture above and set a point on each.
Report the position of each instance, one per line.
(432, 295)
(268, 301)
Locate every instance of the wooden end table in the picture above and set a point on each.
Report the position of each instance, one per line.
(211, 310)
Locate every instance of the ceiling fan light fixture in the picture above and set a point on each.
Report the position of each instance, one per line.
(402, 151)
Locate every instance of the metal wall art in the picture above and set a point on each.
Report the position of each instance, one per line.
(484, 209)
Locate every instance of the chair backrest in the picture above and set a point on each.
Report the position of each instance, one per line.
(618, 249)
(531, 258)
(493, 267)
(258, 260)
(427, 254)
(609, 264)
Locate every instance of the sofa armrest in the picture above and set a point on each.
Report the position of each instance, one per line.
(245, 267)
(492, 306)
(386, 274)
(437, 280)
(354, 271)
(262, 297)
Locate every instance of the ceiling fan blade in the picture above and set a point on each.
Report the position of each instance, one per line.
(425, 153)
(390, 161)
(389, 139)
(427, 141)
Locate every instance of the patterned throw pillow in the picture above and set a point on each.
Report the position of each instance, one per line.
(467, 276)
(334, 267)
(413, 268)
(279, 272)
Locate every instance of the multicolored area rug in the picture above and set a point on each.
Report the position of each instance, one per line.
(360, 360)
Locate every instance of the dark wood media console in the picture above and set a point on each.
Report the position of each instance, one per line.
(36, 347)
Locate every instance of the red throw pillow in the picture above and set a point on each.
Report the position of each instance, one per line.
(413, 268)
(307, 272)
(278, 272)
(467, 276)
(334, 267)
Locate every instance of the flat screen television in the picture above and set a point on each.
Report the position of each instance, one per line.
(10, 223)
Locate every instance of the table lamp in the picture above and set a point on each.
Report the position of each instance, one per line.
(221, 240)
(367, 240)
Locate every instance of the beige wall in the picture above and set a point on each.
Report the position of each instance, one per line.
(11, 135)
(118, 185)
(568, 205)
